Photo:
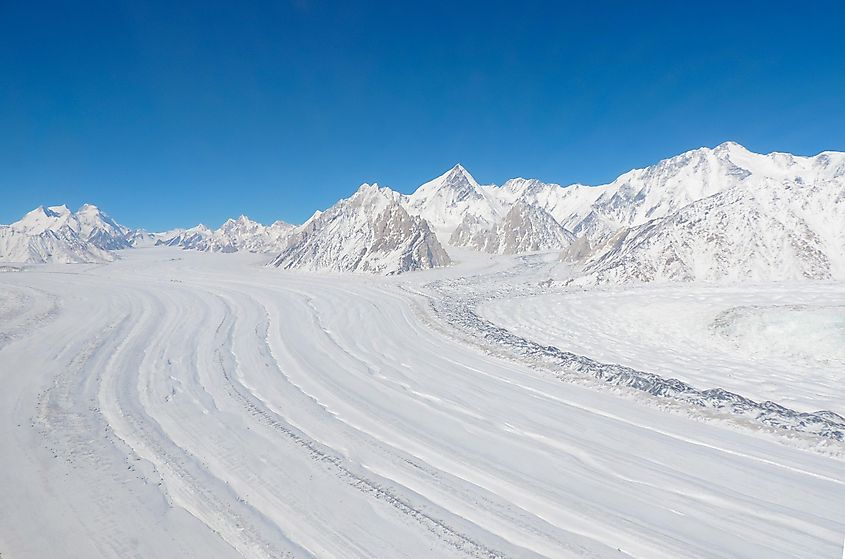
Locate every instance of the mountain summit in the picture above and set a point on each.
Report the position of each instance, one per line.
(368, 232)
(55, 234)
(445, 200)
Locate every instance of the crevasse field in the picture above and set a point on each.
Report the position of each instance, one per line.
(179, 404)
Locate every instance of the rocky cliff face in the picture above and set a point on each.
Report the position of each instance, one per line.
(368, 232)
(524, 228)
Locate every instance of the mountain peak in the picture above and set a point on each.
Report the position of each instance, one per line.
(42, 218)
(456, 180)
(367, 187)
(458, 174)
(55, 211)
(730, 147)
(241, 221)
(373, 196)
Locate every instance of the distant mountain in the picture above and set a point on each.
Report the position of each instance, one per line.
(369, 232)
(101, 230)
(567, 204)
(712, 214)
(234, 235)
(770, 231)
(141, 238)
(716, 214)
(525, 228)
(508, 220)
(191, 238)
(660, 190)
(443, 202)
(55, 234)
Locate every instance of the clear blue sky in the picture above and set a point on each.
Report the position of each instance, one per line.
(173, 113)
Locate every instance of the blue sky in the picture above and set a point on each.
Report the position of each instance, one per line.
(173, 113)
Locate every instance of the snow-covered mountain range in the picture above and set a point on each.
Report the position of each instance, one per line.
(56, 234)
(234, 235)
(369, 232)
(712, 214)
(782, 231)
(727, 215)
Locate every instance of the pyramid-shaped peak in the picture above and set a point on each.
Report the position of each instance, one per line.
(244, 220)
(459, 173)
(456, 182)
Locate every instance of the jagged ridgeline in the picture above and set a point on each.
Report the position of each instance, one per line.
(708, 214)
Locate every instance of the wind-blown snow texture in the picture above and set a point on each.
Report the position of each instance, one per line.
(783, 342)
(206, 406)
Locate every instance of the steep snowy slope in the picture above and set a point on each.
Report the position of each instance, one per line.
(444, 201)
(55, 234)
(525, 228)
(641, 195)
(368, 232)
(771, 231)
(662, 189)
(567, 204)
(234, 235)
(633, 199)
(101, 230)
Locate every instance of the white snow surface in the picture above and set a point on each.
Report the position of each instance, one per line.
(779, 342)
(187, 404)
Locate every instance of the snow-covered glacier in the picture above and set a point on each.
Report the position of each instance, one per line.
(189, 404)
(647, 368)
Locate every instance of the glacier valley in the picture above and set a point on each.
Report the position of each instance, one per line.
(649, 368)
(188, 404)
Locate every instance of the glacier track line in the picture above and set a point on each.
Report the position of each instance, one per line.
(174, 404)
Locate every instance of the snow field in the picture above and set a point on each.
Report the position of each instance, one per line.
(196, 405)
